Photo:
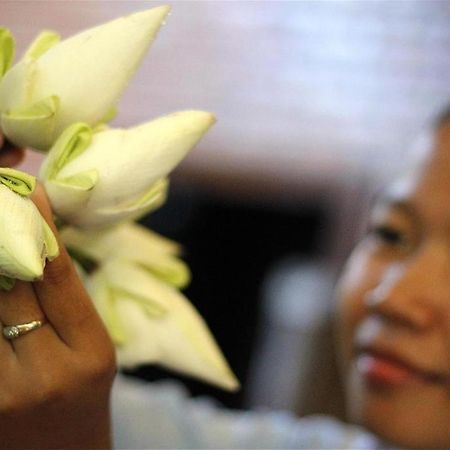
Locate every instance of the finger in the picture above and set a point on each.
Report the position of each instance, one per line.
(20, 306)
(6, 349)
(61, 293)
(10, 155)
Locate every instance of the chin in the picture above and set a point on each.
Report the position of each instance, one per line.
(415, 416)
(404, 433)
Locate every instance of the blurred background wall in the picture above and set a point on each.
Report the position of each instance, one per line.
(317, 103)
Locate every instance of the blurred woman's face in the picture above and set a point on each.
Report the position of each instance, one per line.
(394, 309)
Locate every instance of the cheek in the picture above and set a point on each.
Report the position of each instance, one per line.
(360, 276)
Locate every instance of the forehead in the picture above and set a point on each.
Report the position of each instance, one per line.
(431, 171)
(425, 185)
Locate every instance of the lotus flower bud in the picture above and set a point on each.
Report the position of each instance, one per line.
(26, 240)
(95, 179)
(59, 83)
(152, 322)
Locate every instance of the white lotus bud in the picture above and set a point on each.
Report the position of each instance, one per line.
(133, 243)
(76, 80)
(26, 240)
(95, 179)
(152, 322)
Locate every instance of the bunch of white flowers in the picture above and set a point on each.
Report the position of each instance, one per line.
(57, 99)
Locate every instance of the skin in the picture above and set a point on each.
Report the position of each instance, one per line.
(10, 155)
(394, 297)
(55, 381)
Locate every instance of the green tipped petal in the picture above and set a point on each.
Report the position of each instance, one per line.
(7, 283)
(101, 293)
(68, 194)
(170, 270)
(66, 198)
(19, 182)
(7, 50)
(114, 324)
(154, 198)
(106, 295)
(44, 41)
(110, 115)
(50, 242)
(33, 123)
(71, 144)
(134, 243)
(82, 181)
(131, 281)
(16, 87)
(40, 110)
(126, 241)
(148, 305)
(65, 203)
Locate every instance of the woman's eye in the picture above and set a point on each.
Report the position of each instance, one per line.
(390, 236)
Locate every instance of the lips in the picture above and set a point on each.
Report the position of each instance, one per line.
(383, 367)
(381, 370)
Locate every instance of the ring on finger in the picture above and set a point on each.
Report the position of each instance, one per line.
(14, 331)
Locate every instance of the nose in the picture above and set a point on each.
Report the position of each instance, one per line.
(411, 292)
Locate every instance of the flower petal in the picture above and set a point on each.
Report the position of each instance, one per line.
(7, 283)
(133, 209)
(34, 123)
(17, 86)
(104, 302)
(7, 49)
(50, 242)
(122, 241)
(68, 195)
(19, 182)
(44, 41)
(70, 145)
(128, 278)
(133, 243)
(71, 195)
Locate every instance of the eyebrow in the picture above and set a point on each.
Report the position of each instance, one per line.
(394, 200)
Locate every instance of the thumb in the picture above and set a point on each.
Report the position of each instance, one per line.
(10, 155)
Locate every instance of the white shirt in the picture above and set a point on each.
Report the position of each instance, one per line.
(161, 415)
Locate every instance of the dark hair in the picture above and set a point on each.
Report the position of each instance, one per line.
(440, 118)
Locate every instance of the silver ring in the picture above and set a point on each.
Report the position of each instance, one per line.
(15, 331)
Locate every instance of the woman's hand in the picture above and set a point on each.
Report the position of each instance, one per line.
(9, 155)
(55, 381)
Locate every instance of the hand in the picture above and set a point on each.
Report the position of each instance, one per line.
(55, 381)
(9, 155)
